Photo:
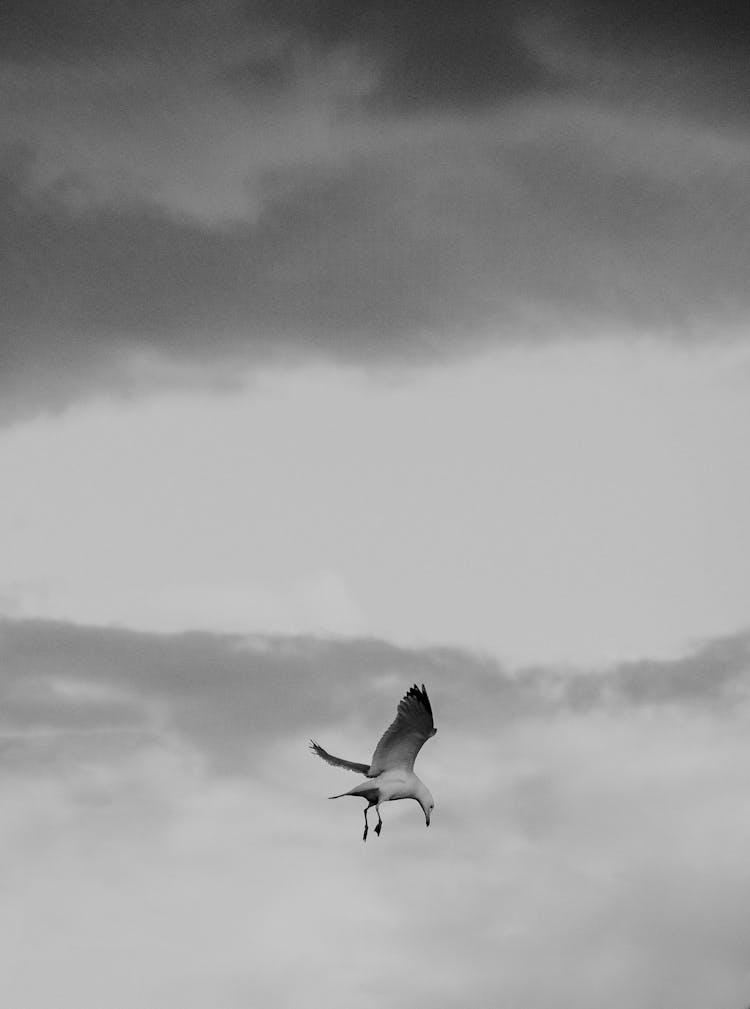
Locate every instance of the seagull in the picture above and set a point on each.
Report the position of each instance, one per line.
(391, 775)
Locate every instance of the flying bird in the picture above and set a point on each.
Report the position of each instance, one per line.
(390, 775)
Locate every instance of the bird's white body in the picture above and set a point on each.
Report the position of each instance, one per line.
(390, 785)
(390, 775)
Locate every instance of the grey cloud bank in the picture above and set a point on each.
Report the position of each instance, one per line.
(388, 184)
(589, 840)
(228, 695)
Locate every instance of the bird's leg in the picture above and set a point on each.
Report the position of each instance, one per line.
(380, 822)
(364, 836)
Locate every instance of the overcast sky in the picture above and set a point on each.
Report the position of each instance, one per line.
(347, 345)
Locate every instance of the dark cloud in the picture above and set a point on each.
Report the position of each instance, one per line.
(403, 259)
(690, 60)
(437, 52)
(231, 696)
(719, 670)
(447, 55)
(499, 198)
(227, 695)
(690, 29)
(440, 55)
(84, 29)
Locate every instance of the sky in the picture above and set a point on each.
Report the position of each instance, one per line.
(345, 346)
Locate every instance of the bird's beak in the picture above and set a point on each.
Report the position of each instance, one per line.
(427, 819)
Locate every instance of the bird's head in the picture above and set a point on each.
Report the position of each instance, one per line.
(425, 800)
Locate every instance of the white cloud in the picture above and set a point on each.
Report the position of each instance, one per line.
(575, 855)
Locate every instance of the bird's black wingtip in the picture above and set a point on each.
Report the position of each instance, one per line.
(421, 696)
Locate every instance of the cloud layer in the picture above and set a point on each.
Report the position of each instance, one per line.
(160, 799)
(242, 184)
(228, 695)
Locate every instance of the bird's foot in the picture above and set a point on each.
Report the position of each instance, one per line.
(364, 836)
(378, 829)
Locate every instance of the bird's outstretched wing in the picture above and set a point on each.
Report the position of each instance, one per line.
(403, 739)
(338, 761)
